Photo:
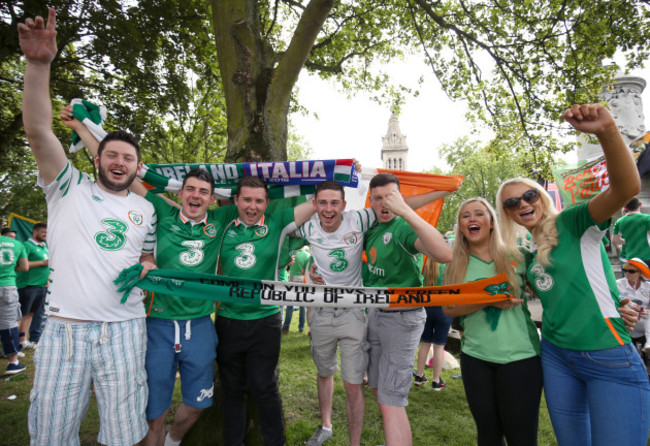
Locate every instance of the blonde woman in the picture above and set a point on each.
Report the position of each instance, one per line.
(596, 388)
(499, 356)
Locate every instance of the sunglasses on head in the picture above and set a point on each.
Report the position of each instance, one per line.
(530, 196)
(630, 271)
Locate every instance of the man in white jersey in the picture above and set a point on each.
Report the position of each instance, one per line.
(336, 239)
(94, 335)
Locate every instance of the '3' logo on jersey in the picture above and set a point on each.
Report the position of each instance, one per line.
(246, 259)
(543, 281)
(114, 237)
(194, 255)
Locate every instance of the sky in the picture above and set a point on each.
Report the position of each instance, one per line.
(346, 128)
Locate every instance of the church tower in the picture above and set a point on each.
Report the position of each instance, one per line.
(394, 151)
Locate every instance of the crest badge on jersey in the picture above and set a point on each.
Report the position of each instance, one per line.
(388, 237)
(262, 230)
(136, 218)
(350, 239)
(210, 230)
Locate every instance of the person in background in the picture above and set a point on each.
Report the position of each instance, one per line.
(296, 274)
(435, 333)
(12, 258)
(7, 232)
(32, 286)
(499, 356)
(596, 386)
(635, 287)
(632, 231)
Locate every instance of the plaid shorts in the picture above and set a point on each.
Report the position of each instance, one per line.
(72, 356)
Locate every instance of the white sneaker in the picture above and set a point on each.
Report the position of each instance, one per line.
(646, 348)
(28, 344)
(320, 436)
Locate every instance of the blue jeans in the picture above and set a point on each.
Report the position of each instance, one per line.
(596, 397)
(288, 315)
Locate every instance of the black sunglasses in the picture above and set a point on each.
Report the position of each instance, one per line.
(630, 271)
(530, 196)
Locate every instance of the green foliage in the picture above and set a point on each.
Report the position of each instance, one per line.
(153, 64)
(520, 64)
(484, 169)
(150, 63)
(298, 148)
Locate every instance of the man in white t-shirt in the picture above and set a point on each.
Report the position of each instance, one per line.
(336, 238)
(95, 229)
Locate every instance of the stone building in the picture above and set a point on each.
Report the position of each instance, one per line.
(394, 151)
(624, 99)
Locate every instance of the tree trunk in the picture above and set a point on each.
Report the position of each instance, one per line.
(257, 85)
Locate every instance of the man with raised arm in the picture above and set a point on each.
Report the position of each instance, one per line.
(180, 333)
(392, 248)
(94, 335)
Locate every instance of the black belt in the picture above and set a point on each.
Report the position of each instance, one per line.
(400, 311)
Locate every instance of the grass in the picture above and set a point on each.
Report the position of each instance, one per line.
(437, 418)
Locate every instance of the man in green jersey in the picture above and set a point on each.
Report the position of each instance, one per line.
(632, 230)
(180, 332)
(393, 247)
(296, 274)
(250, 334)
(12, 258)
(32, 286)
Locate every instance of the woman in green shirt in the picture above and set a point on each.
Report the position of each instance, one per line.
(499, 356)
(596, 387)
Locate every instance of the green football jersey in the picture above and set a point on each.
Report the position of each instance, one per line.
(35, 276)
(515, 336)
(10, 252)
(392, 257)
(578, 289)
(300, 263)
(634, 229)
(252, 252)
(185, 246)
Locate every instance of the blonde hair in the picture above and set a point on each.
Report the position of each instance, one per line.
(545, 231)
(457, 268)
(431, 272)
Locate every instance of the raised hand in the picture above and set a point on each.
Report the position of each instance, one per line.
(38, 40)
(395, 203)
(68, 119)
(590, 118)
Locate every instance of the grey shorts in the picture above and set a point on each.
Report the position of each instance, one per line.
(345, 327)
(9, 307)
(393, 339)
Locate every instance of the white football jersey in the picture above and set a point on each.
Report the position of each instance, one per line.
(337, 254)
(92, 236)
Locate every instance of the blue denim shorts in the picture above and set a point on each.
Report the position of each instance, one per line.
(436, 327)
(189, 346)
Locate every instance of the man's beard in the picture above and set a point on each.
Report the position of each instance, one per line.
(115, 187)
